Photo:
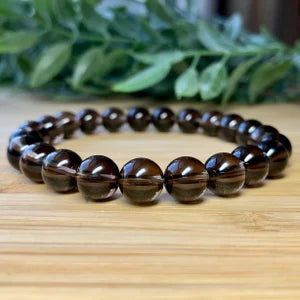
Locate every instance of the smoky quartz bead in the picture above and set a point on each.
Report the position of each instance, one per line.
(97, 178)
(226, 174)
(138, 118)
(59, 170)
(67, 120)
(277, 154)
(285, 142)
(163, 119)
(21, 131)
(186, 179)
(228, 126)
(263, 132)
(50, 130)
(210, 122)
(244, 131)
(89, 120)
(256, 163)
(189, 120)
(32, 159)
(141, 180)
(113, 118)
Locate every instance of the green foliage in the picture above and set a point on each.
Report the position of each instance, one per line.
(83, 47)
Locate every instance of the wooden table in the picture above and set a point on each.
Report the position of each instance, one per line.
(56, 246)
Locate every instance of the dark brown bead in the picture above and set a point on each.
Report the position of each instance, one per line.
(163, 119)
(89, 120)
(69, 123)
(285, 142)
(186, 179)
(226, 174)
(141, 180)
(244, 130)
(32, 159)
(189, 120)
(228, 126)
(50, 129)
(263, 132)
(21, 131)
(113, 118)
(210, 122)
(30, 126)
(97, 177)
(138, 118)
(17, 145)
(278, 156)
(256, 163)
(59, 170)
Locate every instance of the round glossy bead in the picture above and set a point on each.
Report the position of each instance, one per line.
(97, 177)
(141, 180)
(89, 120)
(186, 179)
(163, 119)
(69, 123)
(226, 174)
(285, 142)
(29, 126)
(32, 159)
(255, 162)
(263, 132)
(17, 145)
(113, 118)
(21, 131)
(51, 131)
(277, 154)
(59, 170)
(228, 126)
(244, 131)
(138, 118)
(210, 122)
(189, 120)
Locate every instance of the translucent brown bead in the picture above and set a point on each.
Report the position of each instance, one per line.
(228, 126)
(89, 120)
(255, 162)
(21, 131)
(113, 118)
(141, 180)
(97, 177)
(138, 118)
(277, 154)
(210, 122)
(51, 131)
(285, 142)
(186, 179)
(189, 120)
(69, 123)
(244, 131)
(59, 170)
(263, 132)
(226, 174)
(163, 119)
(32, 159)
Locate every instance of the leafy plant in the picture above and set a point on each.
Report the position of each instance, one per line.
(78, 47)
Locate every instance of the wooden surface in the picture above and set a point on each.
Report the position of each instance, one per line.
(60, 247)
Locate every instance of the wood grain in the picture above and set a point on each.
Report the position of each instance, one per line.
(60, 247)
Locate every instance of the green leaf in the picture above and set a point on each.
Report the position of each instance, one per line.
(51, 62)
(144, 79)
(161, 11)
(164, 57)
(266, 75)
(236, 76)
(12, 9)
(234, 26)
(186, 85)
(213, 80)
(17, 41)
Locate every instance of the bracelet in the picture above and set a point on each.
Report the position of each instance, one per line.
(262, 152)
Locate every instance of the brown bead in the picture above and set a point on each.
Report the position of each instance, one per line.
(255, 162)
(29, 126)
(138, 118)
(244, 130)
(51, 131)
(113, 118)
(228, 126)
(21, 131)
(163, 119)
(277, 154)
(285, 142)
(226, 174)
(210, 122)
(189, 120)
(97, 177)
(263, 132)
(17, 145)
(141, 180)
(89, 120)
(186, 179)
(69, 123)
(32, 159)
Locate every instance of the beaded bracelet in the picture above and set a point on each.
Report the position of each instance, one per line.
(263, 152)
